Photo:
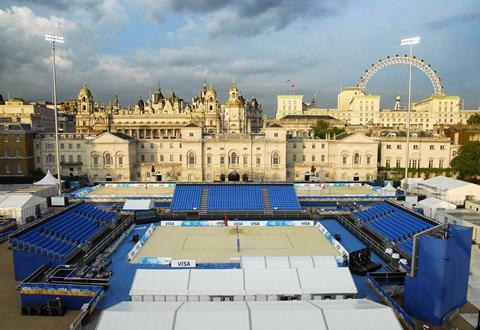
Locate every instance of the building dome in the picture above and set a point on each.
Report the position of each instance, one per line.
(85, 91)
(211, 92)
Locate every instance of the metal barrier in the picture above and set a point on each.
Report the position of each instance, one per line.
(402, 316)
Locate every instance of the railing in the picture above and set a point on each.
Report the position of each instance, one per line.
(402, 316)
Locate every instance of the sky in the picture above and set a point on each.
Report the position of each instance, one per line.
(128, 47)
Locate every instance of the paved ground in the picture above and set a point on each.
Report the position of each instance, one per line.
(218, 244)
(10, 312)
(334, 191)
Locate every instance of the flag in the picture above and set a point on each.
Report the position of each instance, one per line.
(288, 81)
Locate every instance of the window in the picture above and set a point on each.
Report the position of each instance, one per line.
(171, 145)
(17, 138)
(7, 168)
(162, 158)
(62, 145)
(322, 158)
(18, 153)
(294, 146)
(397, 164)
(294, 157)
(389, 146)
(209, 160)
(313, 145)
(258, 161)
(440, 163)
(171, 158)
(323, 145)
(356, 159)
(313, 158)
(275, 134)
(442, 147)
(222, 160)
(95, 161)
(233, 159)
(303, 158)
(152, 157)
(79, 158)
(70, 158)
(415, 147)
(5, 139)
(191, 158)
(107, 159)
(344, 160)
(369, 160)
(142, 145)
(19, 169)
(430, 163)
(70, 146)
(142, 158)
(6, 153)
(432, 147)
(399, 146)
(387, 163)
(275, 158)
(78, 145)
(190, 134)
(152, 146)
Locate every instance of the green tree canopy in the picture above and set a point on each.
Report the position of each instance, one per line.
(322, 128)
(467, 162)
(474, 120)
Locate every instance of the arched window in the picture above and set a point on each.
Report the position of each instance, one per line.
(191, 158)
(49, 158)
(233, 159)
(94, 160)
(211, 107)
(120, 160)
(275, 158)
(356, 159)
(107, 159)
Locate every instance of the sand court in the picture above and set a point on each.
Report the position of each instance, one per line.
(218, 244)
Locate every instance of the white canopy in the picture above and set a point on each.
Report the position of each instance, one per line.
(21, 206)
(262, 262)
(361, 314)
(137, 204)
(388, 190)
(48, 180)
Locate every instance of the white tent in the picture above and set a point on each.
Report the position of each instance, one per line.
(430, 206)
(449, 190)
(262, 262)
(241, 284)
(388, 190)
(137, 205)
(361, 314)
(22, 206)
(48, 180)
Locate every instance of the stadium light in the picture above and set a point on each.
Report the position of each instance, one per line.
(409, 42)
(54, 39)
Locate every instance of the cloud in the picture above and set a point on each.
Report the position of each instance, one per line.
(244, 18)
(448, 21)
(188, 29)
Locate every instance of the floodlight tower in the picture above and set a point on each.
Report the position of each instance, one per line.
(409, 42)
(54, 39)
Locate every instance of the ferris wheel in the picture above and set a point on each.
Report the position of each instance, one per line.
(397, 59)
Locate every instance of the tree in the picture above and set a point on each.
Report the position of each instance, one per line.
(467, 162)
(322, 128)
(474, 120)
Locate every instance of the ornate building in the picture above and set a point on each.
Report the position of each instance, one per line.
(162, 117)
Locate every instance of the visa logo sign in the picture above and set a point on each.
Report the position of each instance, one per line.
(183, 264)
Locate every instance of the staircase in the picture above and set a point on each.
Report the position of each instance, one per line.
(266, 202)
(204, 201)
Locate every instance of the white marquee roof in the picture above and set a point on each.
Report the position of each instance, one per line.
(48, 180)
(444, 183)
(433, 202)
(17, 201)
(361, 314)
(137, 204)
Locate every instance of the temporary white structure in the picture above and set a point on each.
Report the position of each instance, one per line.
(449, 190)
(137, 205)
(48, 180)
(259, 262)
(22, 206)
(255, 284)
(388, 190)
(430, 206)
(361, 314)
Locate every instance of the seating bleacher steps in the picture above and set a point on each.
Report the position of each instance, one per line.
(204, 201)
(266, 202)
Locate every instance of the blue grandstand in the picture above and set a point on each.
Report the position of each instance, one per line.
(392, 224)
(59, 238)
(241, 197)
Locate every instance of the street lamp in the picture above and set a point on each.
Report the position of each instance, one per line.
(54, 39)
(409, 42)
